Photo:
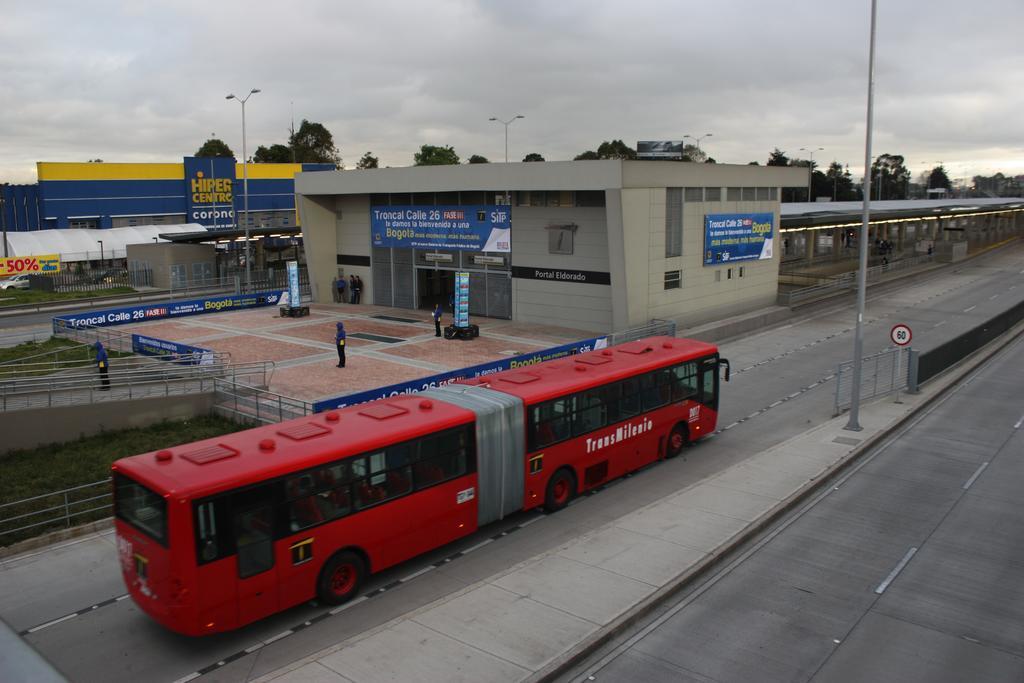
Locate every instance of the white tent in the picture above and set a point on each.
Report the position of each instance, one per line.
(77, 244)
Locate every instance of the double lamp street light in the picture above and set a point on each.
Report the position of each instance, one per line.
(810, 168)
(245, 182)
(506, 124)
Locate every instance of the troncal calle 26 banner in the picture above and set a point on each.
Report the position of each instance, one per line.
(468, 228)
(134, 314)
(737, 237)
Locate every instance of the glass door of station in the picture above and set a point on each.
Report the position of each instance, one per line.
(417, 278)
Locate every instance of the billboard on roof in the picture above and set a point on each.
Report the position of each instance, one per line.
(659, 149)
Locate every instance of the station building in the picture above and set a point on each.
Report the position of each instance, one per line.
(207, 191)
(598, 245)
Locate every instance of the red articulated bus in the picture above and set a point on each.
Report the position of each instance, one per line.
(219, 533)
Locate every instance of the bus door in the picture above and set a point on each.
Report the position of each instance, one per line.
(253, 524)
(709, 382)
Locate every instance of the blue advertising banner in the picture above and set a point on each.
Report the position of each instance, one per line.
(461, 313)
(481, 370)
(470, 228)
(737, 237)
(134, 314)
(209, 190)
(294, 298)
(151, 346)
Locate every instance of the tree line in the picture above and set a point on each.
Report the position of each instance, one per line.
(890, 178)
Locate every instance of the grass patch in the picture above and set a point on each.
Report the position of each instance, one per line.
(37, 471)
(33, 348)
(65, 351)
(17, 297)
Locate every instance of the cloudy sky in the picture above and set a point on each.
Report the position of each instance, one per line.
(145, 81)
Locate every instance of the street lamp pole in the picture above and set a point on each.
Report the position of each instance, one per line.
(810, 168)
(101, 252)
(245, 183)
(506, 124)
(697, 140)
(853, 424)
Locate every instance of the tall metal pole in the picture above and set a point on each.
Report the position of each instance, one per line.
(245, 193)
(858, 341)
(810, 168)
(506, 124)
(245, 184)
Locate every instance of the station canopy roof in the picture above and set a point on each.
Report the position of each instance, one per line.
(799, 214)
(83, 244)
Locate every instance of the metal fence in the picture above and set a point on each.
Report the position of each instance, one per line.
(882, 373)
(250, 404)
(928, 365)
(848, 281)
(30, 517)
(655, 328)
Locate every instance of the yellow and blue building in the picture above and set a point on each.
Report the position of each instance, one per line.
(208, 191)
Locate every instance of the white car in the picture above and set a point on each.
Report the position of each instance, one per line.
(16, 282)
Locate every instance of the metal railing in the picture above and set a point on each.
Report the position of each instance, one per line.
(63, 509)
(655, 328)
(144, 378)
(246, 403)
(848, 281)
(881, 374)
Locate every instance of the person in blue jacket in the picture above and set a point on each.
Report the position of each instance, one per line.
(339, 341)
(437, 320)
(103, 364)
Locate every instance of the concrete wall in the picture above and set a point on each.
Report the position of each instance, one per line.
(320, 242)
(352, 222)
(580, 305)
(39, 426)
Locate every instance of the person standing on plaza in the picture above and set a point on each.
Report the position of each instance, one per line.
(339, 342)
(437, 320)
(359, 284)
(103, 365)
(334, 289)
(341, 290)
(353, 289)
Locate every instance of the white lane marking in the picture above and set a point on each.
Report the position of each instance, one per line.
(1019, 422)
(253, 648)
(191, 677)
(892, 575)
(772, 405)
(350, 603)
(794, 394)
(123, 597)
(939, 324)
(279, 636)
(975, 475)
(52, 623)
(994, 296)
(968, 310)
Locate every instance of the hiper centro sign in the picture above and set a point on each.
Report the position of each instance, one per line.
(210, 193)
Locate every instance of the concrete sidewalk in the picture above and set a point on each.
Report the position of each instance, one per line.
(541, 615)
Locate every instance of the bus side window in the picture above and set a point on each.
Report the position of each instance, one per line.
(629, 404)
(590, 412)
(684, 381)
(252, 510)
(655, 389)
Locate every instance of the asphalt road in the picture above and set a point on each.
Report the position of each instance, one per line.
(780, 388)
(906, 570)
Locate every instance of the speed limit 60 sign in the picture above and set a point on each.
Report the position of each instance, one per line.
(900, 335)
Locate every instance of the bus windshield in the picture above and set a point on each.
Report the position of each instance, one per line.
(140, 507)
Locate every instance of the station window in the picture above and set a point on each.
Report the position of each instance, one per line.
(712, 194)
(734, 194)
(764, 194)
(590, 198)
(560, 239)
(673, 221)
(741, 271)
(750, 194)
(673, 279)
(694, 194)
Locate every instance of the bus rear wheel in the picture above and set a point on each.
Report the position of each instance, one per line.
(561, 490)
(340, 578)
(677, 441)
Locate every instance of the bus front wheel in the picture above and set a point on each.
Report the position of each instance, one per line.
(561, 489)
(340, 578)
(677, 441)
